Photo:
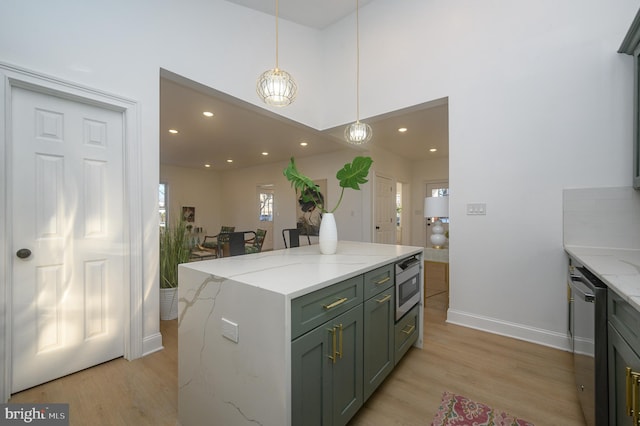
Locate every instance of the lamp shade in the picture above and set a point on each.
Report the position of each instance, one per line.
(436, 206)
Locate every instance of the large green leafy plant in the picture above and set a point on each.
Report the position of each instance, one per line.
(352, 175)
(174, 250)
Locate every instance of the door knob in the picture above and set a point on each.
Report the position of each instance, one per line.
(23, 253)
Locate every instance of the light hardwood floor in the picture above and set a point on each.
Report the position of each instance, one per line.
(524, 379)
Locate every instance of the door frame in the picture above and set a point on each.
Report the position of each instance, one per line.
(13, 77)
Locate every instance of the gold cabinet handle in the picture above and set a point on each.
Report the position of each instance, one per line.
(340, 350)
(333, 356)
(629, 391)
(636, 396)
(633, 395)
(384, 280)
(409, 330)
(336, 303)
(384, 299)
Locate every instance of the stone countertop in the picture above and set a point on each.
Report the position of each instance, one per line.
(618, 268)
(301, 270)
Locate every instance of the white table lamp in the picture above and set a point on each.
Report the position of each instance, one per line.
(437, 207)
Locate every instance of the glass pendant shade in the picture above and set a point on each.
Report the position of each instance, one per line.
(276, 87)
(358, 133)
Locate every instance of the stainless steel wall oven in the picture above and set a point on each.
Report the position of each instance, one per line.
(407, 285)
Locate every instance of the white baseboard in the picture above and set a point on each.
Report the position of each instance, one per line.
(510, 329)
(151, 344)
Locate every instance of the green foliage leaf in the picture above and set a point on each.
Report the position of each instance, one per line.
(353, 174)
(298, 180)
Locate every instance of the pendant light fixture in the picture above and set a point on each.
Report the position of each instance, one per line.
(358, 133)
(275, 86)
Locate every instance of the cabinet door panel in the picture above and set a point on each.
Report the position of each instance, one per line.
(378, 340)
(347, 371)
(311, 378)
(621, 356)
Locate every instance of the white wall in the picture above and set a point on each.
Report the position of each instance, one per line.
(538, 100)
(199, 188)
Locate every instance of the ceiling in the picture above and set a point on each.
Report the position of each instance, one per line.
(310, 13)
(241, 131)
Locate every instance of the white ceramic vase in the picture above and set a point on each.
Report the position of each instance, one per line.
(328, 238)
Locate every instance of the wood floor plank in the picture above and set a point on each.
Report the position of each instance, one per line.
(527, 380)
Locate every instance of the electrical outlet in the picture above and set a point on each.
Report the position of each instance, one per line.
(476, 209)
(230, 330)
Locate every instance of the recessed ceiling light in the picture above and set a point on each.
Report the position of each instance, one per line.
(265, 153)
(402, 129)
(207, 165)
(174, 131)
(303, 144)
(433, 149)
(207, 114)
(229, 160)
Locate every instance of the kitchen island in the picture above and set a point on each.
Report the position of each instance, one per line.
(235, 326)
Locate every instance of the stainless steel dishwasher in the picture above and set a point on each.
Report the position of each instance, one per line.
(588, 332)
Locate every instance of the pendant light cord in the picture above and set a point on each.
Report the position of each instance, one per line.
(276, 34)
(357, 63)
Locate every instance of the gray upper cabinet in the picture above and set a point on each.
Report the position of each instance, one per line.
(631, 46)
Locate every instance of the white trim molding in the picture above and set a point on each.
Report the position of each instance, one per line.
(11, 77)
(510, 329)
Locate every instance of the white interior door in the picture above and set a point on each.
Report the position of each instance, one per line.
(385, 210)
(67, 209)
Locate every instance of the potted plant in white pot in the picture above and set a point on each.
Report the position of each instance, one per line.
(352, 175)
(174, 250)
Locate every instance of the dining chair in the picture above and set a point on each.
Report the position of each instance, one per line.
(234, 242)
(294, 237)
(254, 245)
(214, 242)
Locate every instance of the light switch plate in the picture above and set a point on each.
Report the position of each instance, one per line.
(476, 209)
(230, 330)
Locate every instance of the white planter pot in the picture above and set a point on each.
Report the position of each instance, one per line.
(328, 237)
(168, 303)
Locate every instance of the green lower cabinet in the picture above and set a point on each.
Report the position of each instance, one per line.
(379, 319)
(326, 363)
(621, 381)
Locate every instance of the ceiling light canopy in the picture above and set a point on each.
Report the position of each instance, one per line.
(358, 133)
(276, 87)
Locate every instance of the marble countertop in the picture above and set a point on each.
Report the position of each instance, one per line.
(301, 270)
(618, 268)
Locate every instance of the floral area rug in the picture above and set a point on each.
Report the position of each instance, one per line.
(456, 410)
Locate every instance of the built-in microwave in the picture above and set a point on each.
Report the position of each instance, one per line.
(407, 285)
